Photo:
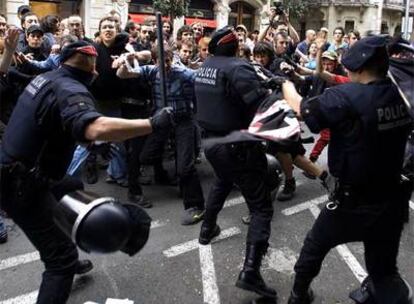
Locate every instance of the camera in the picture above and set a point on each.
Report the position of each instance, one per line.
(278, 7)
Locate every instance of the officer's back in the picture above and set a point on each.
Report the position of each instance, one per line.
(368, 120)
(227, 88)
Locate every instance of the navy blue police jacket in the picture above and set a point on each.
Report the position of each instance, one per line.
(228, 93)
(369, 126)
(51, 115)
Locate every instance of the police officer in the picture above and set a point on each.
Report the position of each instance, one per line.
(228, 93)
(369, 127)
(54, 111)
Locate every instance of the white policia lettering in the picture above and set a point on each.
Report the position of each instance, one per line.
(391, 117)
(207, 76)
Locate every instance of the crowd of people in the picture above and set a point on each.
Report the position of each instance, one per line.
(126, 84)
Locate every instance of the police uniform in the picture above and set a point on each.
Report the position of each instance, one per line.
(369, 127)
(50, 116)
(228, 93)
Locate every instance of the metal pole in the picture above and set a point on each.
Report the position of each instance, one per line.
(407, 20)
(161, 60)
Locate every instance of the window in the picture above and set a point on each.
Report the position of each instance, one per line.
(384, 28)
(349, 26)
(242, 13)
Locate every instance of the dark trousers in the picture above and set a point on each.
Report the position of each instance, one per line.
(244, 165)
(184, 133)
(33, 214)
(134, 146)
(377, 226)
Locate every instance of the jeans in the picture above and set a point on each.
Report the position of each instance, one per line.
(117, 166)
(3, 230)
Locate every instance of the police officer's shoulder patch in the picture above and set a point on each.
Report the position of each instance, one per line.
(35, 86)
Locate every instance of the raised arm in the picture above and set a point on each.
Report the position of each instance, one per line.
(10, 44)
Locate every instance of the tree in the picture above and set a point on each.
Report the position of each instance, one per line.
(172, 8)
(296, 8)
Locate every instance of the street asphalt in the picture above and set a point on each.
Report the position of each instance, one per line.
(173, 268)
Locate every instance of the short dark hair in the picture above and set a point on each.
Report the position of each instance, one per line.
(356, 33)
(23, 9)
(107, 18)
(25, 16)
(49, 23)
(282, 34)
(130, 26)
(264, 48)
(3, 16)
(339, 28)
(183, 29)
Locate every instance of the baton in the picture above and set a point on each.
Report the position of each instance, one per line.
(161, 60)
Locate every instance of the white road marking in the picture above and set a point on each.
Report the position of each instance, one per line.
(192, 245)
(34, 256)
(118, 301)
(306, 205)
(208, 274)
(240, 199)
(28, 298)
(345, 253)
(158, 224)
(282, 260)
(412, 205)
(234, 202)
(19, 260)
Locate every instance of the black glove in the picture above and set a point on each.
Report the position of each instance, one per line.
(105, 149)
(163, 119)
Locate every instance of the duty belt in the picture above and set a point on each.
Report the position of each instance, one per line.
(350, 196)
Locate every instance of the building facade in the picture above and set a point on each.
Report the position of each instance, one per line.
(377, 16)
(213, 13)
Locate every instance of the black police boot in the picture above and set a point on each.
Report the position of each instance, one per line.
(306, 298)
(288, 190)
(83, 266)
(250, 277)
(393, 289)
(208, 232)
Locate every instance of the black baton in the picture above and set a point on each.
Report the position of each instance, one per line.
(161, 60)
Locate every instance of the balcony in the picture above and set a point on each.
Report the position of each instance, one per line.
(398, 5)
(388, 4)
(342, 2)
